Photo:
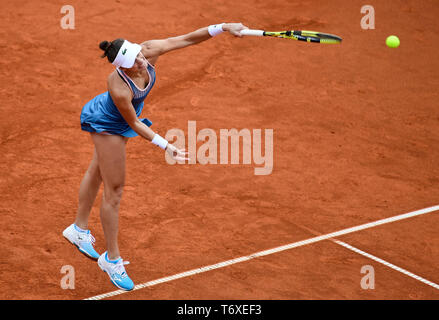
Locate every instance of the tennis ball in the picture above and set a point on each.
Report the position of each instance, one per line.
(392, 42)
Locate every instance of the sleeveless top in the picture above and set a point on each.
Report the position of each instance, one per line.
(101, 114)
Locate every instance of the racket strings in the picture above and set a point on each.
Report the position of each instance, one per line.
(308, 36)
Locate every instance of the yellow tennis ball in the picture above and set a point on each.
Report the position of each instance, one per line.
(392, 42)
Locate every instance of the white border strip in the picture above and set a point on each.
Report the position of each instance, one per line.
(388, 264)
(270, 251)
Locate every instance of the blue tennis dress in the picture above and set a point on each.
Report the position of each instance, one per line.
(101, 114)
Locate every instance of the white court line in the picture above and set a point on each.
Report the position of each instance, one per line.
(270, 251)
(388, 264)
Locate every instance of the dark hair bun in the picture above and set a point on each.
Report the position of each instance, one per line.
(104, 45)
(111, 48)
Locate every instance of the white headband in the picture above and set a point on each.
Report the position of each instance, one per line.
(127, 55)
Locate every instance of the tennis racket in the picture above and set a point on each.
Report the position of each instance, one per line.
(308, 36)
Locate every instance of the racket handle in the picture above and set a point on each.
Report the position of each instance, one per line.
(250, 32)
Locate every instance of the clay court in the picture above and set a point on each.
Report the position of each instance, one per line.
(355, 141)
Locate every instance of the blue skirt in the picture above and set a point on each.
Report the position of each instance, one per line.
(101, 115)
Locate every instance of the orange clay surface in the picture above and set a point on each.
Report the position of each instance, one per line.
(355, 140)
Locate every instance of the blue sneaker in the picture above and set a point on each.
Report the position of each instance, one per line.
(116, 271)
(82, 239)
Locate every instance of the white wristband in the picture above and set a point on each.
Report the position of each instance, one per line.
(215, 29)
(159, 141)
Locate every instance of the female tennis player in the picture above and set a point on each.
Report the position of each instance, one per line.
(113, 117)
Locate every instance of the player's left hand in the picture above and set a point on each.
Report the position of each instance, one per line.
(177, 154)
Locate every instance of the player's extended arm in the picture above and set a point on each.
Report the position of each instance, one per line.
(159, 47)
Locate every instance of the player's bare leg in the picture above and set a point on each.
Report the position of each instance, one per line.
(111, 157)
(88, 191)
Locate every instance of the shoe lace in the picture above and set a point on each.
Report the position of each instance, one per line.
(91, 239)
(119, 268)
(88, 238)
